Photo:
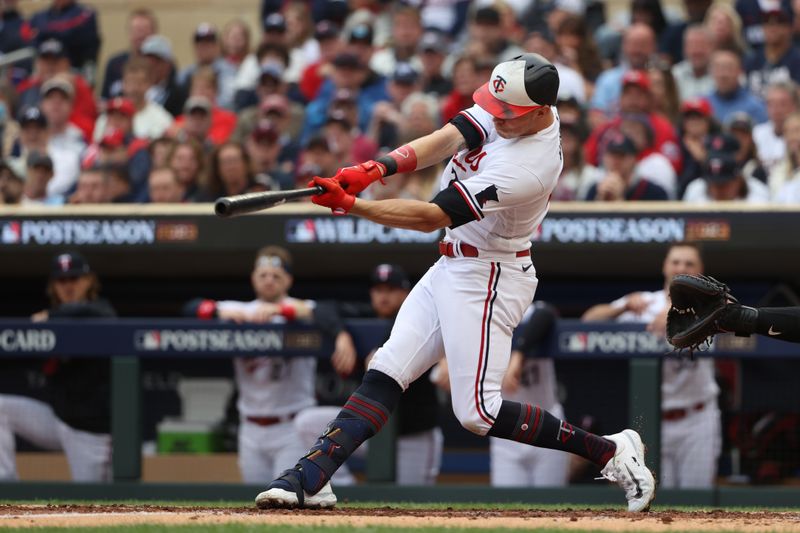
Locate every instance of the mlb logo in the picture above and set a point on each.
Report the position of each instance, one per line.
(12, 233)
(148, 340)
(302, 231)
(574, 342)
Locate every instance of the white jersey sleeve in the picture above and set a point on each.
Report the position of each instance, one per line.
(475, 125)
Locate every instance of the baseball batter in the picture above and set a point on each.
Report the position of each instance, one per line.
(494, 193)
(272, 390)
(688, 388)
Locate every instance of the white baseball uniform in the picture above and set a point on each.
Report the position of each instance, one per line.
(88, 454)
(466, 308)
(515, 464)
(691, 439)
(270, 388)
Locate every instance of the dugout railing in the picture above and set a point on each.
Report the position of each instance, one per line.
(127, 341)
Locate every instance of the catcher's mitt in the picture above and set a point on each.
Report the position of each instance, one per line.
(698, 303)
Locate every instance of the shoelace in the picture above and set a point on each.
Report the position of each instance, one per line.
(617, 476)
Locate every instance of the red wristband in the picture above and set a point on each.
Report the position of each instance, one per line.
(406, 158)
(207, 309)
(288, 311)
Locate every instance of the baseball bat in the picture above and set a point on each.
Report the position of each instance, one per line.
(230, 206)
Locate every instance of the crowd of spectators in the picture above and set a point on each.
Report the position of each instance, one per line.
(698, 104)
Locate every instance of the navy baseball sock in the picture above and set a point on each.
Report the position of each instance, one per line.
(364, 414)
(535, 426)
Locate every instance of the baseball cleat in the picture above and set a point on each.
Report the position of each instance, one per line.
(287, 493)
(628, 469)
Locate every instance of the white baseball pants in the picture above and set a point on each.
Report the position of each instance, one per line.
(88, 454)
(690, 448)
(465, 309)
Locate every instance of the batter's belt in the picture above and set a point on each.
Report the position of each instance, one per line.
(462, 249)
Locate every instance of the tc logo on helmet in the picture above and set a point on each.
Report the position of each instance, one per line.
(499, 84)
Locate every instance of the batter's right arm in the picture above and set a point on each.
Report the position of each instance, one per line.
(419, 153)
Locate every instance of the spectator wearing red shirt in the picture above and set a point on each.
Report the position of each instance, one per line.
(52, 60)
(223, 122)
(636, 98)
(465, 82)
(330, 44)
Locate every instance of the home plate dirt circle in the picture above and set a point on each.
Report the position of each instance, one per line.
(578, 520)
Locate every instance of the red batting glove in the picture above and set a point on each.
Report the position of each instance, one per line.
(334, 196)
(356, 179)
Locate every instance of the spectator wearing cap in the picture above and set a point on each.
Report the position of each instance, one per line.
(570, 81)
(618, 181)
(406, 36)
(39, 172)
(75, 415)
(784, 180)
(466, 81)
(697, 123)
(65, 141)
(264, 75)
(348, 144)
(740, 127)
(638, 47)
(51, 61)
(751, 17)
(636, 98)
(651, 164)
(729, 95)
(316, 159)
(486, 28)
(351, 73)
(32, 135)
(360, 43)
(150, 120)
(387, 119)
(263, 149)
(163, 187)
(203, 97)
(142, 23)
(693, 74)
(276, 34)
(782, 101)
(777, 60)
(207, 53)
(287, 115)
(75, 25)
(328, 38)
(723, 179)
(195, 123)
(16, 34)
(432, 52)
(165, 90)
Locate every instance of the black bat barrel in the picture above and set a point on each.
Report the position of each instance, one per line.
(229, 206)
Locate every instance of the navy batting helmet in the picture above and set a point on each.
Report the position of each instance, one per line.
(519, 86)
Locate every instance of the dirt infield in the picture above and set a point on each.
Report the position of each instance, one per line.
(612, 520)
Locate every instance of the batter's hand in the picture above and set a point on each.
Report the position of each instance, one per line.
(334, 196)
(357, 178)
